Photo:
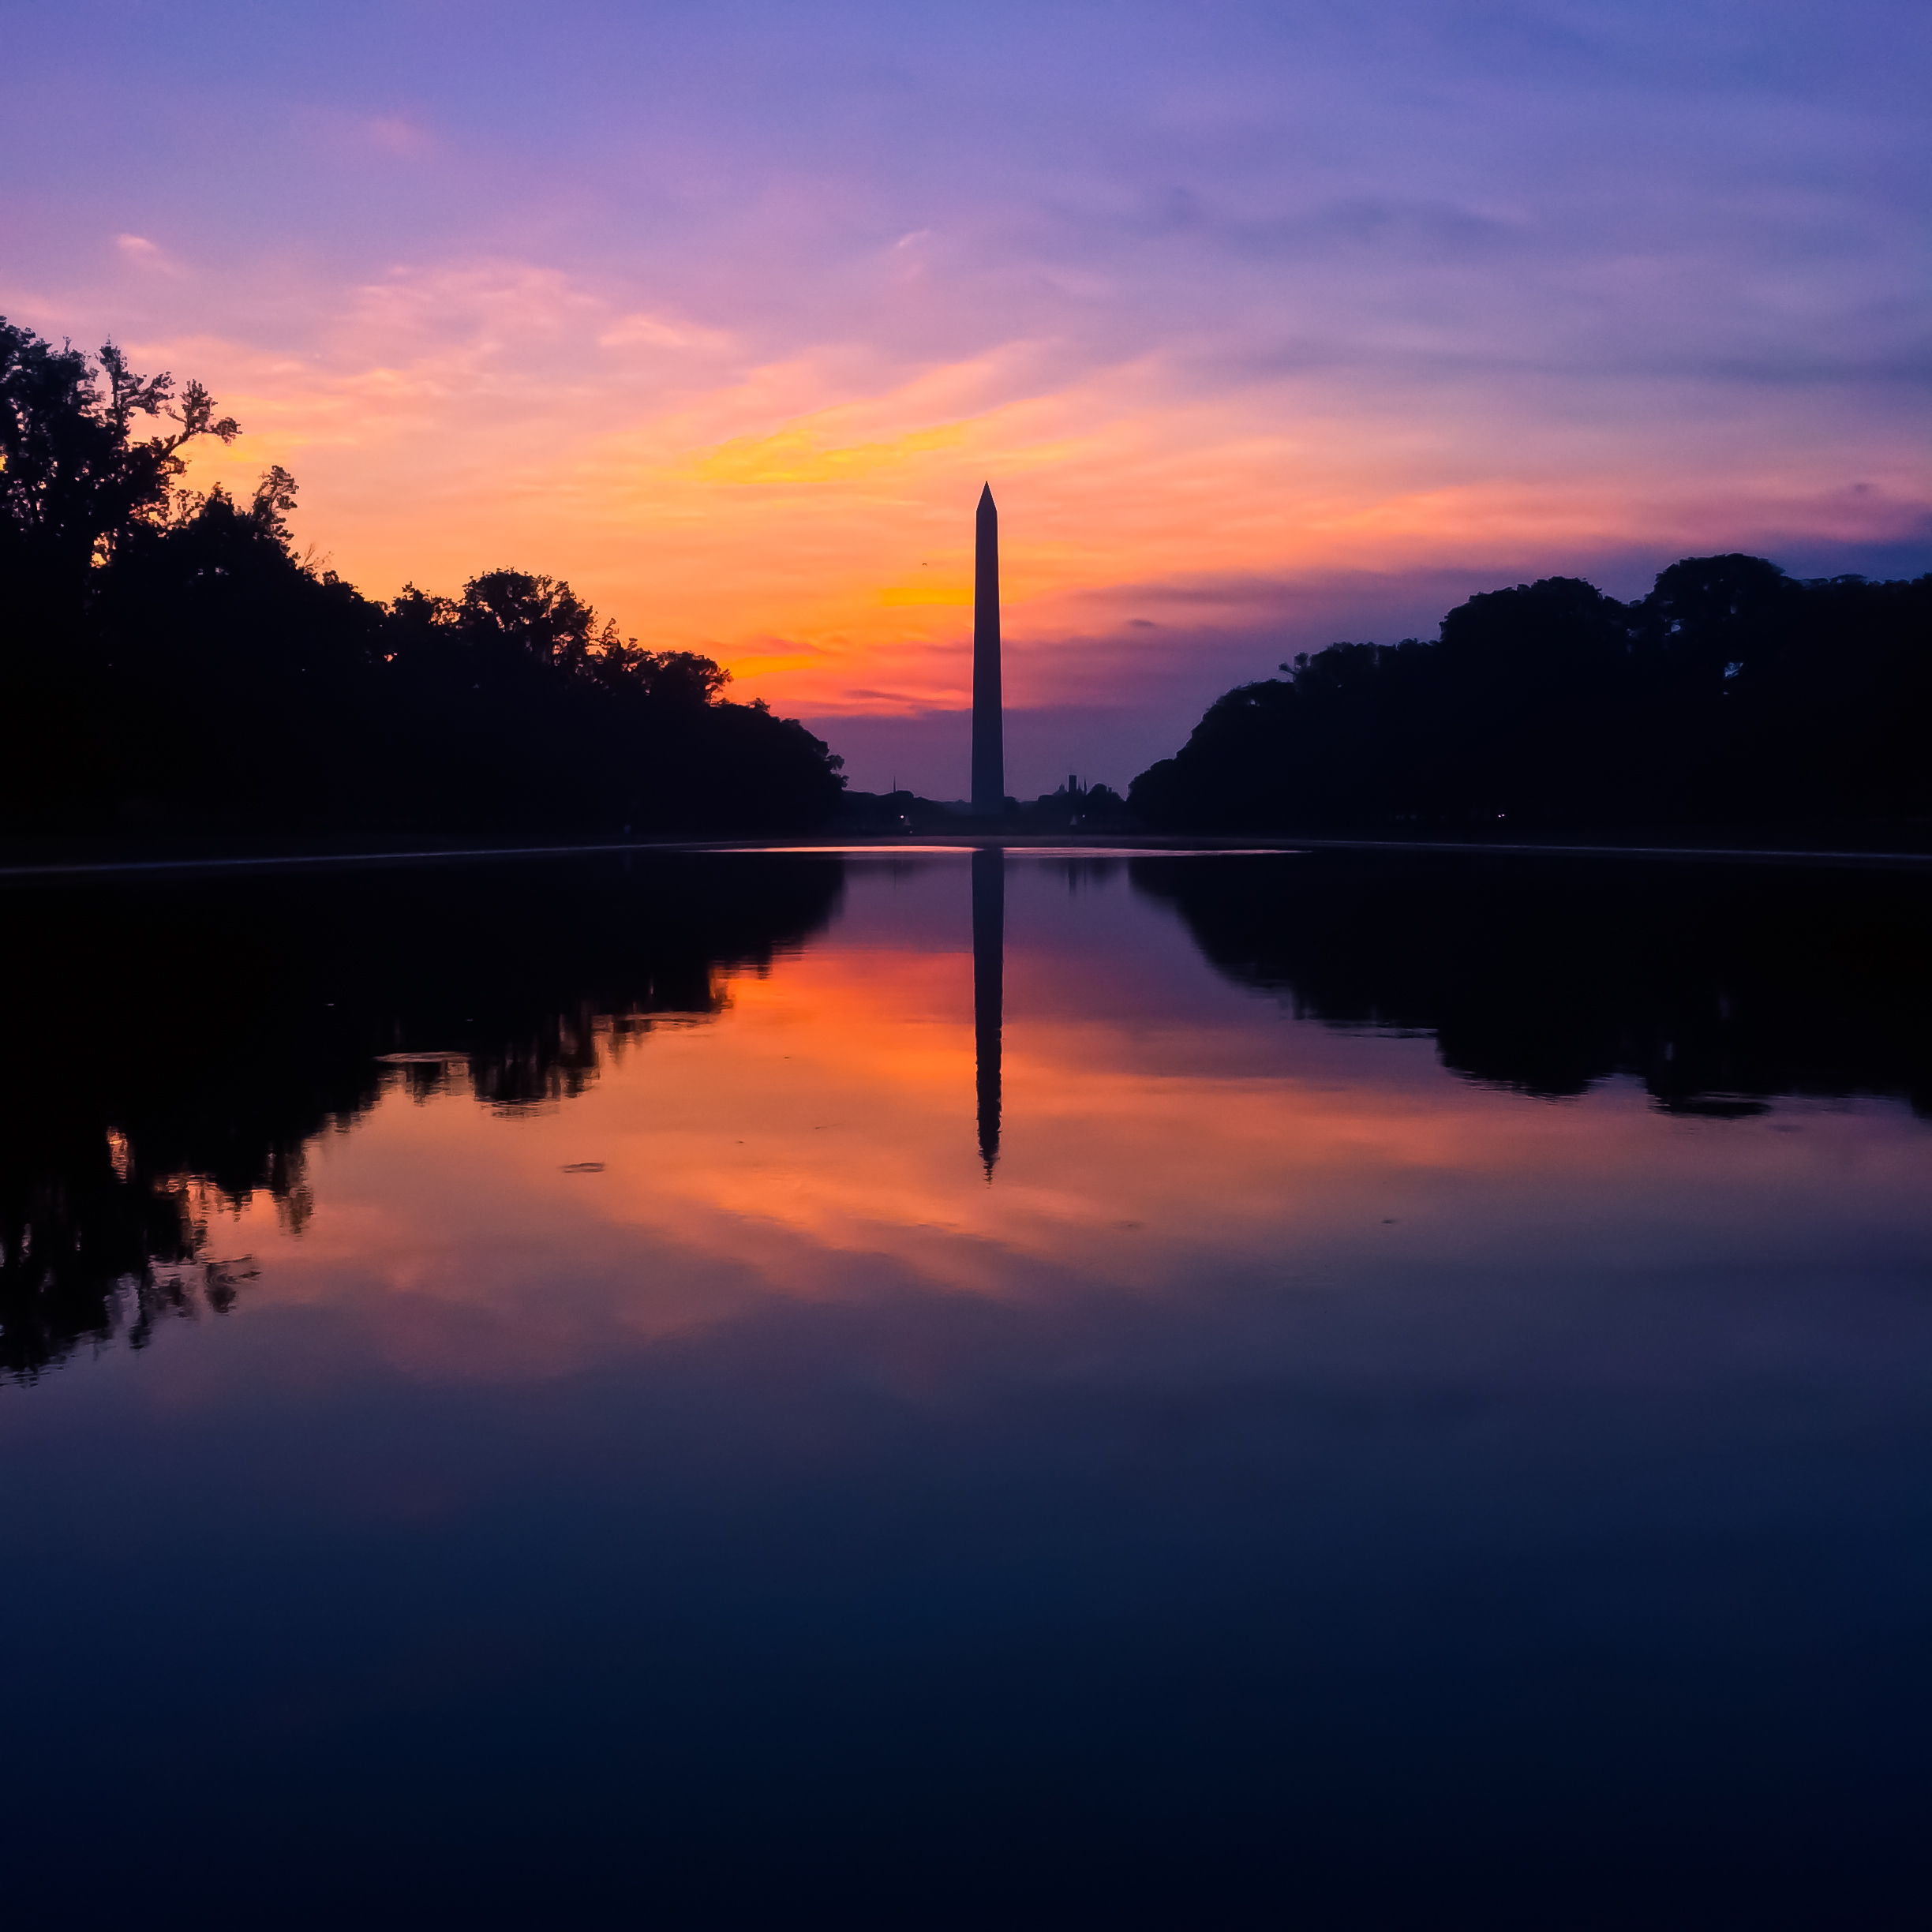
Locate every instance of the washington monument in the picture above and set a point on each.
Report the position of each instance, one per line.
(988, 744)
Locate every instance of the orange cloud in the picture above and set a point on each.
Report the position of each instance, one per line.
(798, 454)
(806, 516)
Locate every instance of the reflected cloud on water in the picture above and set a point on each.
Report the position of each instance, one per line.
(1260, 1390)
(179, 1052)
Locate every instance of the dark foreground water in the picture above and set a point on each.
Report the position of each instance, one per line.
(752, 1390)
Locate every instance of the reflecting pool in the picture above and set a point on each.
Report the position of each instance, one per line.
(945, 1389)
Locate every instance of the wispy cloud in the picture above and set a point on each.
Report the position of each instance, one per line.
(145, 257)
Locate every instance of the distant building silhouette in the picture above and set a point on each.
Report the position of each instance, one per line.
(989, 742)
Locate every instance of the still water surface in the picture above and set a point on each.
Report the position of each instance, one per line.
(1317, 1389)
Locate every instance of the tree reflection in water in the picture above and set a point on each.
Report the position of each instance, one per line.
(173, 1048)
(1718, 987)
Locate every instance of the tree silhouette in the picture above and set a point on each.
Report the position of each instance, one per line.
(171, 669)
(1732, 693)
(74, 478)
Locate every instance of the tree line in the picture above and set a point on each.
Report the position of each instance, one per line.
(169, 664)
(1732, 695)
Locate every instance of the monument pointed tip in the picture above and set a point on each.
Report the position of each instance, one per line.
(986, 493)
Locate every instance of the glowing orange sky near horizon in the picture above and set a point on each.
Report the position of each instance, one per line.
(817, 541)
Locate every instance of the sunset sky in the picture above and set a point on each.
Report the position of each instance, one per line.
(1270, 324)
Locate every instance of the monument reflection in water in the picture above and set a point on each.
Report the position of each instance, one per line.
(524, 1408)
(988, 935)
